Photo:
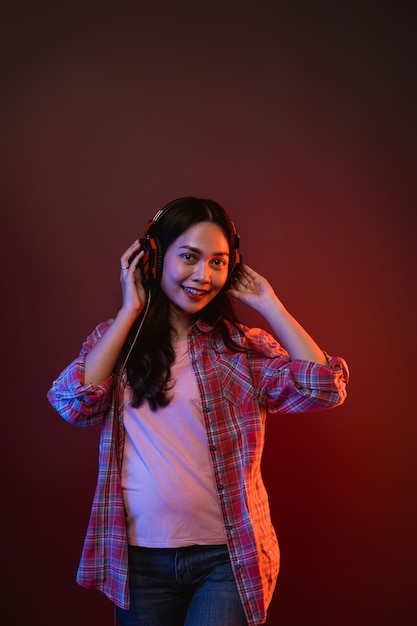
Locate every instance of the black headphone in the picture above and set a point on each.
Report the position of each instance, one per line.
(152, 260)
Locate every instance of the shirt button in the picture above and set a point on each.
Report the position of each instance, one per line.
(213, 448)
(220, 487)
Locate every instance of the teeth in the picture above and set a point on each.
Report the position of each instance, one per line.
(196, 292)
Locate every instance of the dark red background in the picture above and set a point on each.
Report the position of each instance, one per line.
(300, 121)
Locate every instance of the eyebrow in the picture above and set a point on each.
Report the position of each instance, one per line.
(193, 249)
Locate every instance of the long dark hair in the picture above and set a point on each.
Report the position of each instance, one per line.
(150, 359)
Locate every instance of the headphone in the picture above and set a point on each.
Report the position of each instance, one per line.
(152, 261)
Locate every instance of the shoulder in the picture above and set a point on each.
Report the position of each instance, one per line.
(255, 340)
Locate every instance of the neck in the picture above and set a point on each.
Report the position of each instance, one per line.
(180, 325)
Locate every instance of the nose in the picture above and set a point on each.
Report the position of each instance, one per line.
(202, 273)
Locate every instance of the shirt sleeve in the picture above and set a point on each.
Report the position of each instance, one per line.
(305, 386)
(78, 402)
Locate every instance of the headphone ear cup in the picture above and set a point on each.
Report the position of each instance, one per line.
(235, 262)
(149, 260)
(235, 266)
(159, 260)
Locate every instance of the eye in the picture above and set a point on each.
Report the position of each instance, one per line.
(219, 262)
(189, 258)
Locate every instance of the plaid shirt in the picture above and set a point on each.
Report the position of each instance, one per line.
(238, 390)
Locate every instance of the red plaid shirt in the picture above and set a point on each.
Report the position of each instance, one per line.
(238, 390)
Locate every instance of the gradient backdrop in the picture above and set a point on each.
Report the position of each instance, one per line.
(300, 119)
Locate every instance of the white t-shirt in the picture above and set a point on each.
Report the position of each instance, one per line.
(167, 479)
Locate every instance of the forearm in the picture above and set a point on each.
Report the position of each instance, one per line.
(294, 338)
(101, 360)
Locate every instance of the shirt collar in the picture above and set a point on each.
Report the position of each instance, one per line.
(203, 326)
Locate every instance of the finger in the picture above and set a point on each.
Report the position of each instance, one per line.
(134, 262)
(134, 246)
(127, 257)
(241, 280)
(129, 270)
(248, 272)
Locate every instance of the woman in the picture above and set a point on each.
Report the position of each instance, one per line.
(180, 529)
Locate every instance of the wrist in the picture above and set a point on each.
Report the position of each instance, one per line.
(127, 315)
(272, 308)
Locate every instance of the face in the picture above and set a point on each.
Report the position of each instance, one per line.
(195, 268)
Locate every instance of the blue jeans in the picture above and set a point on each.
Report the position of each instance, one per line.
(192, 586)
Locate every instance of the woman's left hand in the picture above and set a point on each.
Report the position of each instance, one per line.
(252, 289)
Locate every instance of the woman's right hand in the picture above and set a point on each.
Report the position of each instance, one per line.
(101, 360)
(134, 295)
